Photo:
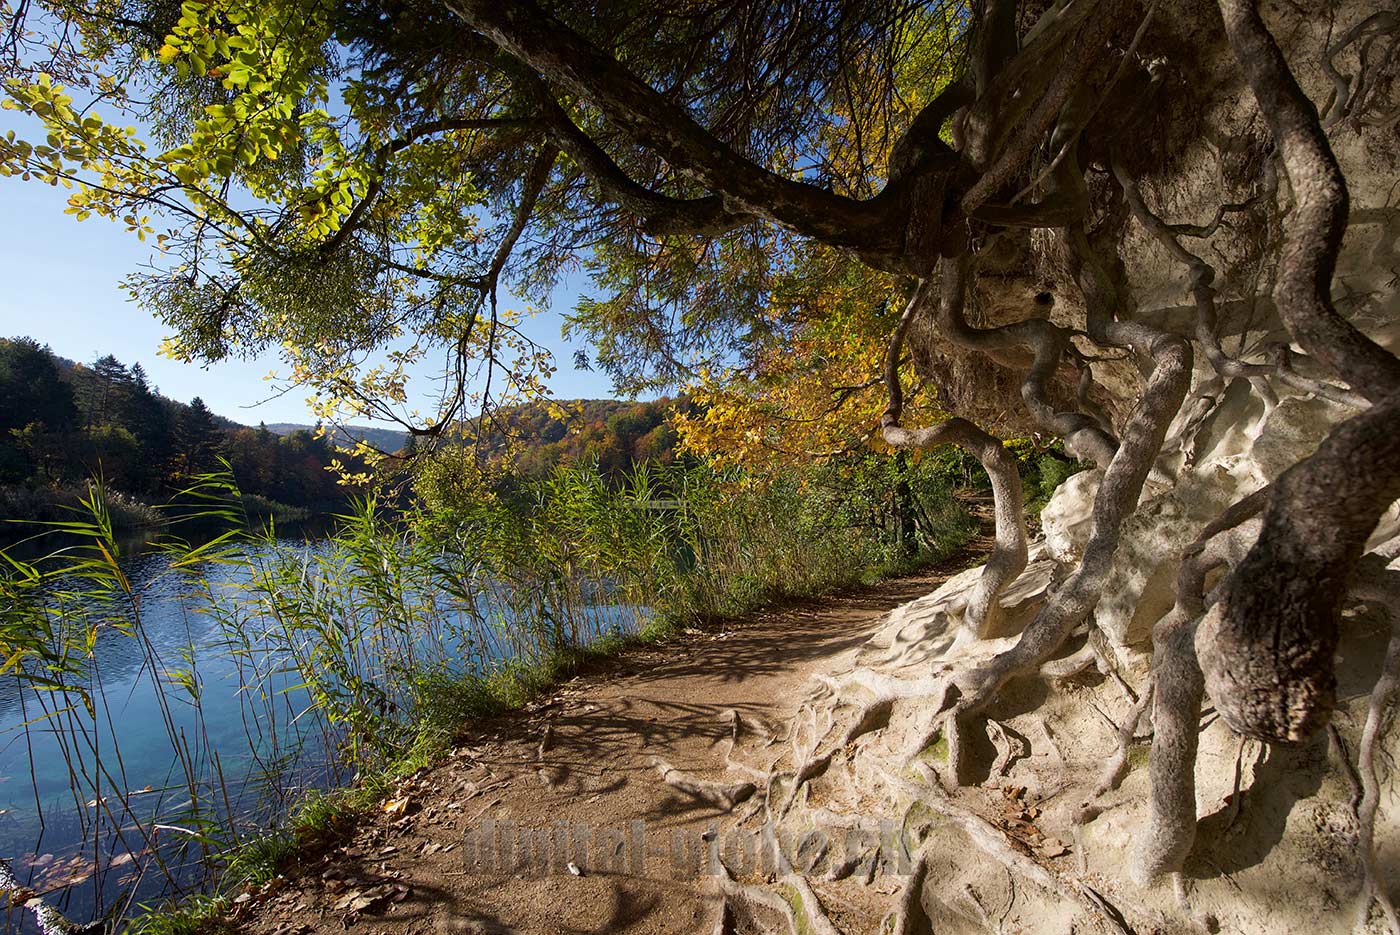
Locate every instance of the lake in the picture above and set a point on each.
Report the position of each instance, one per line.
(196, 717)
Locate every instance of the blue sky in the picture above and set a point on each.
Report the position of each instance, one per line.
(61, 287)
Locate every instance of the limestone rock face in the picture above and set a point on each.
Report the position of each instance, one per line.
(1067, 518)
(925, 627)
(1241, 447)
(1276, 837)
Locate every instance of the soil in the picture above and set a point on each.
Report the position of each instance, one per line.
(572, 779)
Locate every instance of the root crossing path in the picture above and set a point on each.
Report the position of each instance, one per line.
(594, 809)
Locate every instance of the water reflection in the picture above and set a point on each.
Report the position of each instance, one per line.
(94, 799)
(191, 725)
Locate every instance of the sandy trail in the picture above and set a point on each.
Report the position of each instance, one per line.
(583, 756)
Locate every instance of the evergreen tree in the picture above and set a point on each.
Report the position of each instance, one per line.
(149, 419)
(33, 389)
(39, 411)
(197, 439)
(110, 387)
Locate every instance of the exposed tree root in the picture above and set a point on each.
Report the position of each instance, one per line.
(910, 918)
(817, 921)
(1179, 690)
(1377, 713)
(723, 796)
(1070, 666)
(808, 771)
(873, 716)
(1008, 558)
(1117, 766)
(49, 919)
(995, 844)
(1179, 687)
(737, 727)
(1010, 747)
(803, 913)
(1267, 647)
(1117, 497)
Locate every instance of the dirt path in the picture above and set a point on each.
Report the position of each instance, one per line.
(574, 777)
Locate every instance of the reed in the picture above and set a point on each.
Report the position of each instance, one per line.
(363, 654)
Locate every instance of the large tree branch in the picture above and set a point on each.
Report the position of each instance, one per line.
(661, 214)
(1029, 132)
(530, 189)
(562, 56)
(1303, 289)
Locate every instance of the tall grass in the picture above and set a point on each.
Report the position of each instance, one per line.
(300, 665)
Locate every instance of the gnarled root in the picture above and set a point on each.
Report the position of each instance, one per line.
(1267, 647)
(1010, 747)
(723, 796)
(49, 919)
(993, 842)
(1008, 558)
(808, 771)
(803, 914)
(1176, 716)
(1179, 688)
(817, 921)
(1118, 496)
(1117, 766)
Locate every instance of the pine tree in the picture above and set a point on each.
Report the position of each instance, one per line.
(197, 439)
(148, 417)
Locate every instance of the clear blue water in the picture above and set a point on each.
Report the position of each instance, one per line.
(95, 805)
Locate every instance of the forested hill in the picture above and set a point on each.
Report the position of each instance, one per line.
(388, 440)
(64, 422)
(614, 434)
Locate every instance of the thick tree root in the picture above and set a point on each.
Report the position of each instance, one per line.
(808, 771)
(1171, 828)
(1268, 646)
(49, 919)
(1118, 496)
(1179, 688)
(1008, 558)
(910, 917)
(723, 796)
(1070, 666)
(874, 716)
(817, 921)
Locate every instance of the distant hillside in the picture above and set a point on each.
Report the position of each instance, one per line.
(611, 433)
(345, 437)
(64, 422)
